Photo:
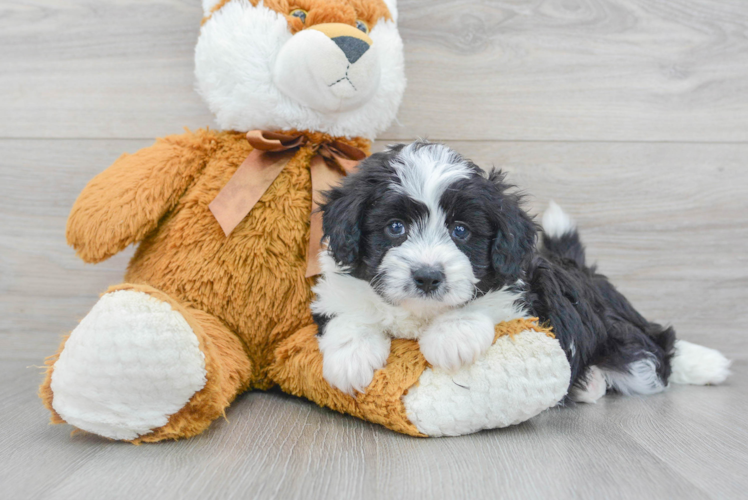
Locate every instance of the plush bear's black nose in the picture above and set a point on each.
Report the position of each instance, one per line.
(353, 48)
(428, 278)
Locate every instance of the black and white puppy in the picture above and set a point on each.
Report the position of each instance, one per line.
(423, 244)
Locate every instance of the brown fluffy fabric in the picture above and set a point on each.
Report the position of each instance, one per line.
(253, 281)
(242, 295)
(45, 392)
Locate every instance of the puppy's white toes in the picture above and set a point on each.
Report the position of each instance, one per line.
(456, 340)
(593, 388)
(351, 354)
(346, 370)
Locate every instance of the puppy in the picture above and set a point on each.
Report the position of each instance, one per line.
(423, 244)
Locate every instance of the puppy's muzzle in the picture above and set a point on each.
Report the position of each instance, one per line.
(428, 279)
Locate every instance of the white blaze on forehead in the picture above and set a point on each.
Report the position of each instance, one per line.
(425, 172)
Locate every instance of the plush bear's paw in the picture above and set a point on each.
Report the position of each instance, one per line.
(456, 339)
(129, 365)
(351, 354)
(514, 380)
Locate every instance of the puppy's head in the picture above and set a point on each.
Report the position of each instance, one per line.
(427, 228)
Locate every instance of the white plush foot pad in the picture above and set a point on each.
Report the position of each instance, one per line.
(514, 381)
(130, 364)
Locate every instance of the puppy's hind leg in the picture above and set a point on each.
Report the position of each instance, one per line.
(698, 365)
(636, 361)
(589, 388)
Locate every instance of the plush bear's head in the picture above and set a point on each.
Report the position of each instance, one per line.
(333, 66)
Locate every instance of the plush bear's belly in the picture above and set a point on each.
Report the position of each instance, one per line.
(253, 280)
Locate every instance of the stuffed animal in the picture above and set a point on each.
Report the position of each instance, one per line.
(216, 299)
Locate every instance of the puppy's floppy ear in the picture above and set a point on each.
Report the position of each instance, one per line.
(344, 209)
(341, 221)
(342, 214)
(515, 237)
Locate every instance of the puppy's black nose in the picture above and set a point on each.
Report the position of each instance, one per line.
(353, 48)
(428, 278)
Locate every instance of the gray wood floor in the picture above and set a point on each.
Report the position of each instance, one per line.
(632, 114)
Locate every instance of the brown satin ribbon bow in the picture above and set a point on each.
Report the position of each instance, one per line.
(272, 151)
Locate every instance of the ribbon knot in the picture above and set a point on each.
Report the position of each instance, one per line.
(271, 153)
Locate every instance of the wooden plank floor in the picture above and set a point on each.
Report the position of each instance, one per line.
(632, 114)
(686, 443)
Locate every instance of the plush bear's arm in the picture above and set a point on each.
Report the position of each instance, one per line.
(124, 203)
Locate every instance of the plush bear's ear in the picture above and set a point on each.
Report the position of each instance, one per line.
(392, 6)
(208, 6)
(515, 235)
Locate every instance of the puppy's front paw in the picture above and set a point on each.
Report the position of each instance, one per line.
(351, 354)
(454, 340)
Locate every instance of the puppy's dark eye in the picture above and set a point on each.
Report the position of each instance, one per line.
(299, 13)
(460, 232)
(362, 26)
(395, 229)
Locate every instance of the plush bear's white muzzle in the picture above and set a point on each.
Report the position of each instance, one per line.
(329, 68)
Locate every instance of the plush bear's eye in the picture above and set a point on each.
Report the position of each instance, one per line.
(300, 14)
(362, 26)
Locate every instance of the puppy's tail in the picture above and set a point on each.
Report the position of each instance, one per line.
(560, 235)
(690, 363)
(698, 365)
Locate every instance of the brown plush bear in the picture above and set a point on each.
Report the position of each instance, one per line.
(216, 299)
